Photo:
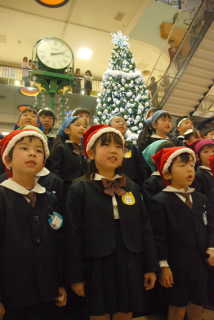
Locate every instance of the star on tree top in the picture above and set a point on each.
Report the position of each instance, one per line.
(119, 39)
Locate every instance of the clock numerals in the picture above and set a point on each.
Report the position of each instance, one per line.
(60, 64)
(43, 57)
(65, 61)
(53, 65)
(47, 62)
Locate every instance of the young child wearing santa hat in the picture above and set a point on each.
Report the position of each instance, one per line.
(31, 282)
(183, 224)
(111, 254)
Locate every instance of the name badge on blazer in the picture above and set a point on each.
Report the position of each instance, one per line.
(55, 221)
(205, 218)
(127, 154)
(128, 199)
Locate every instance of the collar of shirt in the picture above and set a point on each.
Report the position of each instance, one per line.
(156, 173)
(50, 135)
(159, 137)
(43, 172)
(12, 185)
(98, 177)
(206, 169)
(179, 192)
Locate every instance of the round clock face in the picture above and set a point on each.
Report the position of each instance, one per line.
(54, 53)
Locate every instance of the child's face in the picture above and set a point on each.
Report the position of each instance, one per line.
(119, 123)
(107, 157)
(205, 154)
(85, 116)
(163, 125)
(182, 174)
(27, 157)
(28, 118)
(76, 129)
(184, 126)
(210, 135)
(87, 74)
(47, 122)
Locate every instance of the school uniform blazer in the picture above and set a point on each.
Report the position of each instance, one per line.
(90, 227)
(151, 187)
(180, 233)
(131, 166)
(30, 267)
(203, 181)
(66, 164)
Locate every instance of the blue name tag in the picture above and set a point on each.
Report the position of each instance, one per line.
(205, 218)
(55, 221)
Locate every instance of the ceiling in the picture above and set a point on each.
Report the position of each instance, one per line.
(87, 24)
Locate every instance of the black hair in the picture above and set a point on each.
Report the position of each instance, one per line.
(89, 72)
(209, 145)
(107, 137)
(10, 154)
(147, 131)
(205, 132)
(165, 144)
(185, 157)
(29, 110)
(80, 110)
(170, 40)
(47, 112)
(152, 78)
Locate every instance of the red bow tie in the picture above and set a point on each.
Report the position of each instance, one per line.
(114, 186)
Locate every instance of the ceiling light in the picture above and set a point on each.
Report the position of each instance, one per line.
(84, 53)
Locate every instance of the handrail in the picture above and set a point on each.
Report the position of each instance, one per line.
(189, 44)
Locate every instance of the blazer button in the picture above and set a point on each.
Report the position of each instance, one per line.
(38, 241)
(36, 218)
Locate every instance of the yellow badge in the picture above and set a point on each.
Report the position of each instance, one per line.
(127, 154)
(128, 199)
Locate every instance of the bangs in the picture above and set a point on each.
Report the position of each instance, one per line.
(164, 115)
(108, 137)
(186, 157)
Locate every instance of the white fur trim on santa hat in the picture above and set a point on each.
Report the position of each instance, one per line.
(176, 154)
(100, 133)
(25, 133)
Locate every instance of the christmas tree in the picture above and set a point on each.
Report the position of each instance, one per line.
(123, 90)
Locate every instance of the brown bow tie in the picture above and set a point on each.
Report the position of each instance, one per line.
(126, 146)
(77, 149)
(114, 186)
(32, 196)
(188, 202)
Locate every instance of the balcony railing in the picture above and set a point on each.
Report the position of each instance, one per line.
(13, 76)
(198, 27)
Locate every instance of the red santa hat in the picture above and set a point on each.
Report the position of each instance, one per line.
(94, 132)
(8, 142)
(164, 158)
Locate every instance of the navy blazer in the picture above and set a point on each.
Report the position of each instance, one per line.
(90, 227)
(181, 235)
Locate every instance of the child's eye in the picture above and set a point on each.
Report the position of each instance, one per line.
(106, 144)
(39, 151)
(23, 148)
(119, 147)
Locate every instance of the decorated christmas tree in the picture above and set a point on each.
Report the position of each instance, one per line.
(123, 91)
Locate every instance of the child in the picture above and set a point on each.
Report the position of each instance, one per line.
(130, 164)
(77, 81)
(108, 236)
(204, 181)
(154, 184)
(31, 271)
(183, 225)
(183, 125)
(83, 113)
(28, 117)
(47, 118)
(88, 82)
(67, 159)
(208, 133)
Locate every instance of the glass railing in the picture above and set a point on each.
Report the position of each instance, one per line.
(13, 76)
(198, 25)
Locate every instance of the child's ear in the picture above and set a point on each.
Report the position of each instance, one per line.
(91, 154)
(167, 175)
(18, 124)
(197, 158)
(154, 125)
(67, 130)
(8, 161)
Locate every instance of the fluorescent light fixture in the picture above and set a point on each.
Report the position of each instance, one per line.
(84, 53)
(17, 82)
(4, 133)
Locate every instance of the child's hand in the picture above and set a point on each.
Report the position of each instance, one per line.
(2, 311)
(62, 297)
(78, 288)
(149, 280)
(166, 277)
(210, 260)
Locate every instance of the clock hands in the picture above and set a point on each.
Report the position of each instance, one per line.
(55, 53)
